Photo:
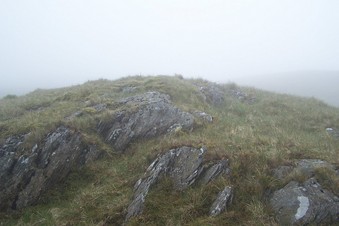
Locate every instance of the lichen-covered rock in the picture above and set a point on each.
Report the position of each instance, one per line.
(223, 200)
(24, 175)
(147, 115)
(183, 165)
(304, 204)
(222, 167)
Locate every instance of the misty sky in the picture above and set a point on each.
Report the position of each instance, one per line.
(45, 44)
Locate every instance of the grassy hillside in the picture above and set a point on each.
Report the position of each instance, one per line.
(276, 129)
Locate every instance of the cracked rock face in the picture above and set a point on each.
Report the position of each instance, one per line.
(147, 115)
(183, 165)
(24, 176)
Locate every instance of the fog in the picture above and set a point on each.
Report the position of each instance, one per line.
(48, 44)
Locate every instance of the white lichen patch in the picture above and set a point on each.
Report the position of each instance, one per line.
(303, 207)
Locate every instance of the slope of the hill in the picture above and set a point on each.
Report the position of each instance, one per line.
(159, 150)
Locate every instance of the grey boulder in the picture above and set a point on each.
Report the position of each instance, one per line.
(306, 203)
(144, 116)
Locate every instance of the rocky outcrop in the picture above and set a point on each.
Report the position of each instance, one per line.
(304, 203)
(147, 115)
(24, 175)
(212, 93)
(223, 200)
(183, 165)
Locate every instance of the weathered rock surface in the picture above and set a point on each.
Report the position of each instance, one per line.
(211, 173)
(304, 203)
(147, 115)
(183, 165)
(223, 200)
(24, 175)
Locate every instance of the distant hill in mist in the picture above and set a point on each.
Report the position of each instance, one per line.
(323, 85)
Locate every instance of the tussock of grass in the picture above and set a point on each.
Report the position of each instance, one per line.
(274, 130)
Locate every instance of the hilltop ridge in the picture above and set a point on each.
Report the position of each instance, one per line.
(167, 150)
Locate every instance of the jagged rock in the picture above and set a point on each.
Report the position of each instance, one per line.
(183, 165)
(222, 167)
(24, 175)
(306, 203)
(147, 115)
(204, 116)
(212, 93)
(223, 200)
(186, 167)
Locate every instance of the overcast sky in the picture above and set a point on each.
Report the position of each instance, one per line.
(45, 44)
